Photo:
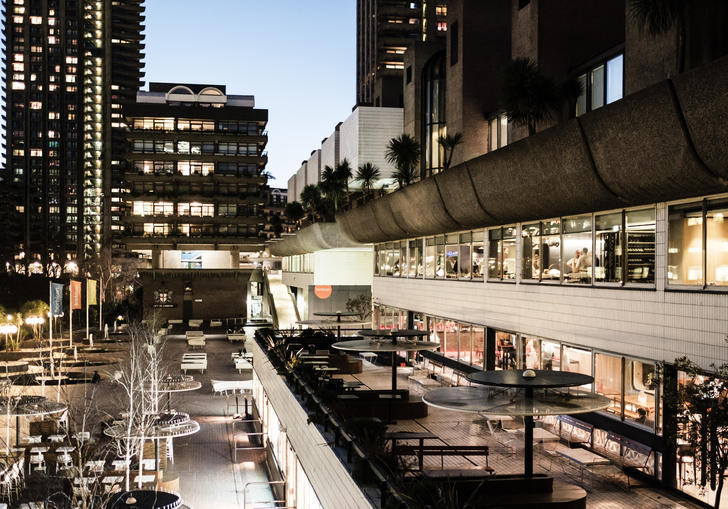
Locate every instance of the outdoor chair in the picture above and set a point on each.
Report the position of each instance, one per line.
(35, 439)
(37, 462)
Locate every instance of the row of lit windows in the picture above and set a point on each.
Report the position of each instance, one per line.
(196, 209)
(194, 148)
(168, 124)
(194, 168)
(192, 230)
(610, 248)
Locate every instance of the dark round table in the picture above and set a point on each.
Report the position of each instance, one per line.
(145, 499)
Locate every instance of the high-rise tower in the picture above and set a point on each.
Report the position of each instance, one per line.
(71, 66)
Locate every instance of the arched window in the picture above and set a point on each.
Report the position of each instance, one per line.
(211, 91)
(181, 90)
(433, 112)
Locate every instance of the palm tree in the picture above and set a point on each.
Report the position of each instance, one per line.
(403, 152)
(448, 144)
(311, 199)
(657, 17)
(294, 211)
(331, 186)
(529, 95)
(344, 173)
(368, 174)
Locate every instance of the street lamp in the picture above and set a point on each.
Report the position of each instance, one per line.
(7, 329)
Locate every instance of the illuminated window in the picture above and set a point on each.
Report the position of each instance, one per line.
(36, 20)
(441, 10)
(36, 105)
(18, 57)
(36, 152)
(18, 85)
(18, 67)
(442, 26)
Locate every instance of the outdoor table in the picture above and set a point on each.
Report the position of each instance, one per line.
(112, 479)
(65, 449)
(145, 478)
(387, 342)
(151, 499)
(57, 438)
(27, 406)
(38, 450)
(525, 394)
(178, 383)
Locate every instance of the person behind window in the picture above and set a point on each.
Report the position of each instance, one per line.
(641, 415)
(584, 262)
(536, 263)
(573, 262)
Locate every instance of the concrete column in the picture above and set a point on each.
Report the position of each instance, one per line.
(156, 258)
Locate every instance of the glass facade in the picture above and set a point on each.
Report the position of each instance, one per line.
(433, 113)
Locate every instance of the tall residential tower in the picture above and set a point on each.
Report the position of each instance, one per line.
(71, 66)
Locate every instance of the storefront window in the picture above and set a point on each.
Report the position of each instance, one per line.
(608, 248)
(464, 344)
(464, 266)
(550, 250)
(478, 254)
(451, 256)
(685, 244)
(717, 243)
(640, 245)
(478, 335)
(551, 355)
(502, 253)
(451, 339)
(576, 360)
(376, 260)
(505, 350)
(440, 257)
(430, 257)
(389, 261)
(395, 259)
(608, 380)
(415, 258)
(531, 352)
(577, 256)
(403, 261)
(531, 256)
(639, 392)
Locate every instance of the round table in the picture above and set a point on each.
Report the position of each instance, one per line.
(521, 393)
(28, 406)
(178, 383)
(388, 344)
(145, 499)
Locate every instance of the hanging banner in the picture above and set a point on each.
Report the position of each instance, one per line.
(76, 295)
(56, 299)
(91, 292)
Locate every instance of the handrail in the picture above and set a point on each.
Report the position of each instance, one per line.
(245, 489)
(271, 300)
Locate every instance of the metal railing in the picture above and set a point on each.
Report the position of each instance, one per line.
(254, 483)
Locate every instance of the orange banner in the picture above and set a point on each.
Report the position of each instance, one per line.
(76, 295)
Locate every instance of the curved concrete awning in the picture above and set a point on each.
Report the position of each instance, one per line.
(666, 142)
(315, 237)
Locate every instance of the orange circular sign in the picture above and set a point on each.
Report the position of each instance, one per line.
(322, 291)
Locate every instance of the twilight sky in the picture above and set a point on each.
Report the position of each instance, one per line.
(296, 56)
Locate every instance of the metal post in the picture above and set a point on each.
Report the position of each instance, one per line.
(528, 434)
(156, 454)
(17, 430)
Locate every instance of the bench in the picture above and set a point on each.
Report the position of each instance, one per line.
(195, 323)
(232, 337)
(195, 339)
(635, 460)
(215, 323)
(194, 361)
(445, 450)
(243, 365)
(574, 431)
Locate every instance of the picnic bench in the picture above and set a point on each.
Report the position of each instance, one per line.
(235, 336)
(444, 450)
(575, 432)
(234, 388)
(194, 361)
(195, 338)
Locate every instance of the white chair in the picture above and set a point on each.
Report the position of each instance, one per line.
(35, 439)
(148, 464)
(64, 462)
(37, 462)
(119, 465)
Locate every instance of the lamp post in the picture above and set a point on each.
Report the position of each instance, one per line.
(35, 321)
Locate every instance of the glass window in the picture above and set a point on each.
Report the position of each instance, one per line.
(183, 147)
(477, 254)
(640, 245)
(581, 100)
(438, 332)
(495, 253)
(389, 261)
(509, 252)
(505, 350)
(478, 341)
(452, 251)
(596, 85)
(577, 360)
(464, 257)
(550, 250)
(395, 260)
(608, 246)
(502, 253)
(403, 261)
(685, 244)
(615, 78)
(530, 252)
(608, 380)
(451, 339)
(415, 258)
(440, 257)
(550, 355)
(717, 243)
(163, 209)
(430, 257)
(531, 348)
(464, 340)
(639, 392)
(433, 107)
(577, 240)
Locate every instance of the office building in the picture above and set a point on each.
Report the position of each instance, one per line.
(72, 66)
(196, 194)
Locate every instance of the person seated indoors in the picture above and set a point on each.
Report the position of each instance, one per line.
(536, 263)
(584, 262)
(572, 263)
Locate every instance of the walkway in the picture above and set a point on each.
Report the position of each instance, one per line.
(208, 477)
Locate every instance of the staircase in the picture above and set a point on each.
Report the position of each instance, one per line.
(283, 302)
